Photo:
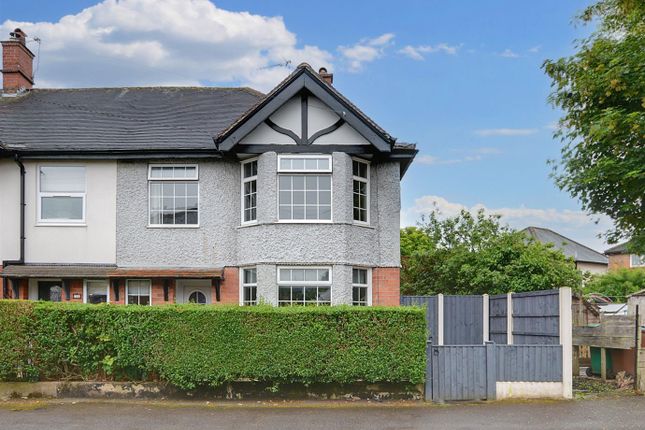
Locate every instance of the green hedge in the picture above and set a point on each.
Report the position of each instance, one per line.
(191, 346)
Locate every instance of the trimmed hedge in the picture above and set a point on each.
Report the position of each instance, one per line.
(191, 346)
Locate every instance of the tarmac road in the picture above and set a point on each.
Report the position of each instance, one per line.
(606, 413)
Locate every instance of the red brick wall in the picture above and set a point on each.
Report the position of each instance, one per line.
(386, 286)
(230, 287)
(618, 261)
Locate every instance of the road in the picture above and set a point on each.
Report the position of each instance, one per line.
(613, 413)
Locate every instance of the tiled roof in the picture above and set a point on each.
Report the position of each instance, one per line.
(569, 247)
(121, 119)
(618, 249)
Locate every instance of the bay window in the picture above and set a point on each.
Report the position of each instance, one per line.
(249, 191)
(361, 287)
(360, 184)
(304, 186)
(249, 287)
(304, 286)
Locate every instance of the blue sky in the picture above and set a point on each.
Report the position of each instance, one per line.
(461, 79)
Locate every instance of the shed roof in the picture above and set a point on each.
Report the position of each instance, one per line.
(569, 247)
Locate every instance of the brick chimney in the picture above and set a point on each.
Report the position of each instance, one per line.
(326, 76)
(17, 63)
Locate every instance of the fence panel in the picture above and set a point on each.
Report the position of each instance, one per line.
(497, 310)
(529, 363)
(463, 320)
(431, 311)
(536, 318)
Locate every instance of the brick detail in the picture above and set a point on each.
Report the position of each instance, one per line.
(386, 286)
(17, 66)
(230, 287)
(618, 261)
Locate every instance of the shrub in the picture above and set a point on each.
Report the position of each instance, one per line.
(617, 284)
(191, 346)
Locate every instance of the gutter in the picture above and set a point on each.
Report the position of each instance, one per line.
(20, 261)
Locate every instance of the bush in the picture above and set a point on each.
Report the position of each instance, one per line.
(191, 346)
(617, 284)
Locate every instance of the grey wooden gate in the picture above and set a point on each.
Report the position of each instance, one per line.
(460, 372)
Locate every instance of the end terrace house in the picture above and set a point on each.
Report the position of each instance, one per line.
(207, 195)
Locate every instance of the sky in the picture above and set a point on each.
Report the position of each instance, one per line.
(461, 79)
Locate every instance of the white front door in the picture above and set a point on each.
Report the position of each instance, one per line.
(196, 291)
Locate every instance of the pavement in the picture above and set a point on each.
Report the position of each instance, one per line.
(605, 413)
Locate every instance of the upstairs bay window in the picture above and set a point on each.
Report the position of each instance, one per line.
(249, 191)
(361, 188)
(173, 196)
(304, 186)
(61, 194)
(304, 286)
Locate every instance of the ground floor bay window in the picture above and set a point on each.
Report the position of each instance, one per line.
(304, 286)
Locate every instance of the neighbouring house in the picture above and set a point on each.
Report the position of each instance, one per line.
(585, 258)
(620, 258)
(206, 195)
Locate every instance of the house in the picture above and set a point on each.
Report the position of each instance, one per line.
(585, 258)
(207, 195)
(620, 258)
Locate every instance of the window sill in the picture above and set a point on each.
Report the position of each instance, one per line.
(257, 224)
(181, 227)
(60, 224)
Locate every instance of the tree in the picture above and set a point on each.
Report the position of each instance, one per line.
(475, 254)
(601, 90)
(618, 284)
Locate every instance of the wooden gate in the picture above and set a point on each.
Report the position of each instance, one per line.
(460, 372)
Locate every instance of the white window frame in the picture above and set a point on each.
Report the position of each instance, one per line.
(243, 181)
(640, 257)
(195, 179)
(368, 285)
(367, 190)
(323, 284)
(127, 286)
(54, 222)
(305, 156)
(243, 285)
(306, 172)
(151, 165)
(85, 281)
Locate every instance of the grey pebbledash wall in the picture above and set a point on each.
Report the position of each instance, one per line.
(221, 241)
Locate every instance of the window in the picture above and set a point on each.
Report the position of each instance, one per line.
(61, 194)
(361, 185)
(138, 292)
(361, 295)
(304, 185)
(97, 292)
(249, 191)
(304, 286)
(249, 293)
(173, 196)
(637, 260)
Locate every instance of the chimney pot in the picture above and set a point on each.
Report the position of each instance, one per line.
(326, 76)
(17, 63)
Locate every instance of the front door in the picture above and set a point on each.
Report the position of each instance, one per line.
(50, 291)
(197, 291)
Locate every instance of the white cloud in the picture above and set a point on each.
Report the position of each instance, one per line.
(507, 53)
(574, 224)
(535, 49)
(164, 42)
(486, 132)
(365, 51)
(417, 52)
(471, 155)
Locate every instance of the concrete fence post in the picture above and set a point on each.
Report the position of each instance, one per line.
(566, 340)
(439, 319)
(491, 371)
(486, 312)
(509, 318)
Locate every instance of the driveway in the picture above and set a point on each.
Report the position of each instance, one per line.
(614, 413)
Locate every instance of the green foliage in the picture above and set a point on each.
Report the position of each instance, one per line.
(601, 90)
(470, 254)
(617, 284)
(191, 345)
